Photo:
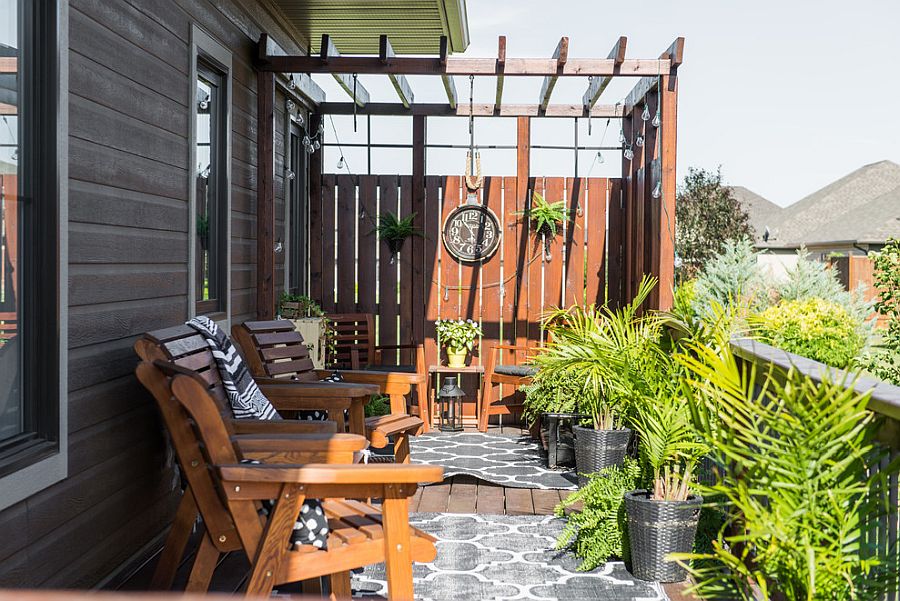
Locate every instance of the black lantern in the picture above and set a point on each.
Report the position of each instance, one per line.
(451, 399)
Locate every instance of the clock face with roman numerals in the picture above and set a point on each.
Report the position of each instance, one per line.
(471, 233)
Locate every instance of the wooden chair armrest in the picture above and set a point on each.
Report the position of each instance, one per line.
(284, 426)
(379, 378)
(512, 347)
(394, 347)
(379, 474)
(323, 390)
(338, 443)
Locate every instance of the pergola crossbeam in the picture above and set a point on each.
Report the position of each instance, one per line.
(478, 110)
(449, 83)
(501, 65)
(598, 84)
(560, 55)
(328, 53)
(675, 55)
(401, 85)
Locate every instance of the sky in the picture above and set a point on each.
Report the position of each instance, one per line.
(786, 96)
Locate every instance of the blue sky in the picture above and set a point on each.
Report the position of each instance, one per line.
(787, 96)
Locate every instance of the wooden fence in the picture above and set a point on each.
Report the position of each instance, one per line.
(351, 271)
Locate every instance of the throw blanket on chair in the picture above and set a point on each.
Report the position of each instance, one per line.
(246, 399)
(248, 402)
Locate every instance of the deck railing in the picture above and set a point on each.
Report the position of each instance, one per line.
(884, 401)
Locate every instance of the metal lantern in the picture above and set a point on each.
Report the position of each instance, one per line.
(451, 399)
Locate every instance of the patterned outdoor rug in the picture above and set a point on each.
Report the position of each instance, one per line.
(506, 558)
(512, 461)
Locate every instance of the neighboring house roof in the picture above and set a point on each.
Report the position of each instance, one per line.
(763, 213)
(863, 206)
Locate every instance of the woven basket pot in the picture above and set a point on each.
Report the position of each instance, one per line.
(597, 449)
(657, 528)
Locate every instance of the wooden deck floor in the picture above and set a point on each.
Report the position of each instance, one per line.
(466, 494)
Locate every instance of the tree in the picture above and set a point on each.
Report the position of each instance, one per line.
(707, 215)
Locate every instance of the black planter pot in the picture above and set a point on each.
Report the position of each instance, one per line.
(597, 449)
(657, 528)
(557, 438)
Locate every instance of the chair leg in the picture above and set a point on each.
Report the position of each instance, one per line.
(487, 399)
(273, 546)
(424, 409)
(176, 542)
(397, 544)
(401, 448)
(204, 565)
(340, 585)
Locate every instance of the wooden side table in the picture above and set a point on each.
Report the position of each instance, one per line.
(443, 369)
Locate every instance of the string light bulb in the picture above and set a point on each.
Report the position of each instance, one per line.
(639, 141)
(629, 153)
(600, 158)
(645, 116)
(340, 164)
(621, 136)
(657, 120)
(657, 190)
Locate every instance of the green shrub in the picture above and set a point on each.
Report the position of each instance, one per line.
(814, 279)
(883, 361)
(379, 405)
(731, 278)
(595, 533)
(814, 328)
(552, 392)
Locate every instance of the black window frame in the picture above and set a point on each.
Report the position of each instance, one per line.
(38, 302)
(217, 76)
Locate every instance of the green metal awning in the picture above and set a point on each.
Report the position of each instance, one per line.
(413, 26)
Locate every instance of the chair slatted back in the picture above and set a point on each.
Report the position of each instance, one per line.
(274, 349)
(8, 320)
(191, 450)
(352, 333)
(185, 347)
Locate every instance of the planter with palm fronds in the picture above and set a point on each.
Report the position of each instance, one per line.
(611, 351)
(394, 231)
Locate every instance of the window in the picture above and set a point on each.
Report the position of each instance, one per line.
(210, 194)
(298, 201)
(32, 159)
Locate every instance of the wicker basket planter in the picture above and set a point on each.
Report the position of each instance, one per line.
(657, 528)
(557, 438)
(597, 449)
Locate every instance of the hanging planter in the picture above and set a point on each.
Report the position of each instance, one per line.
(394, 231)
(546, 220)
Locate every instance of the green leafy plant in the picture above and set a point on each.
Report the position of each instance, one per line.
(884, 360)
(730, 278)
(793, 460)
(555, 392)
(458, 334)
(379, 405)
(307, 307)
(614, 352)
(390, 227)
(596, 532)
(809, 279)
(546, 217)
(817, 329)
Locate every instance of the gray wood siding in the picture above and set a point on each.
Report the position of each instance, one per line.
(128, 137)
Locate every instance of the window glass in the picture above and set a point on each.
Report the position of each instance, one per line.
(14, 417)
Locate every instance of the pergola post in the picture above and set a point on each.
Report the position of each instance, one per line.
(669, 182)
(315, 216)
(420, 285)
(265, 196)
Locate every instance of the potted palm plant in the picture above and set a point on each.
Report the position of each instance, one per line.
(611, 351)
(458, 337)
(663, 520)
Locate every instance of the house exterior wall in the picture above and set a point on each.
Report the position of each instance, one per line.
(130, 104)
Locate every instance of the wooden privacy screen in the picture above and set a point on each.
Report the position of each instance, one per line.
(351, 271)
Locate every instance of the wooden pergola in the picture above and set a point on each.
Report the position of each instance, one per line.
(641, 222)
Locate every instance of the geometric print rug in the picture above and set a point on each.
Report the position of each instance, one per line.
(511, 461)
(506, 558)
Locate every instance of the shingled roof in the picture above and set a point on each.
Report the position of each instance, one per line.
(763, 213)
(863, 206)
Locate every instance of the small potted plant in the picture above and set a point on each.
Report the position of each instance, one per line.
(546, 219)
(663, 520)
(552, 402)
(310, 321)
(458, 337)
(395, 231)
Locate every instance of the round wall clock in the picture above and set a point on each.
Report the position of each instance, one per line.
(471, 233)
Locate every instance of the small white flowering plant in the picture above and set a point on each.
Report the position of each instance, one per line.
(458, 334)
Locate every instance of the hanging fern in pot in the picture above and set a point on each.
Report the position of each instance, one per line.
(546, 219)
(395, 231)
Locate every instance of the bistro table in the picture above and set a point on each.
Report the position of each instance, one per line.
(443, 369)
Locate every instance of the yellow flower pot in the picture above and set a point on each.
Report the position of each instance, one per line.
(456, 357)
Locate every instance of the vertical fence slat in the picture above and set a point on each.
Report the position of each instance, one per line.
(368, 244)
(615, 265)
(514, 296)
(491, 307)
(576, 192)
(406, 268)
(449, 267)
(328, 243)
(431, 244)
(595, 227)
(346, 243)
(554, 191)
(387, 271)
(534, 265)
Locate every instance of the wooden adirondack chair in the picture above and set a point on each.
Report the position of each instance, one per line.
(227, 494)
(284, 440)
(354, 348)
(276, 354)
(497, 372)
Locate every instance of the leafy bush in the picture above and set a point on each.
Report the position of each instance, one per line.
(793, 462)
(814, 328)
(379, 405)
(554, 392)
(884, 361)
(595, 533)
(814, 279)
(731, 278)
